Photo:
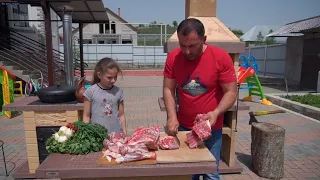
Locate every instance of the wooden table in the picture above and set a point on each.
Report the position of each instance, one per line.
(228, 131)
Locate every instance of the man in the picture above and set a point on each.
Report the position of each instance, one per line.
(206, 82)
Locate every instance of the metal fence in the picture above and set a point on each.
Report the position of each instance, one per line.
(124, 53)
(270, 59)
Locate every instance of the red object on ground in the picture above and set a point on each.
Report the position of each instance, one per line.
(168, 142)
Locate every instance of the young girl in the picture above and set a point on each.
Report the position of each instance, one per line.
(103, 102)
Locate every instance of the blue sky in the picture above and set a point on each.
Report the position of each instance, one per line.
(238, 14)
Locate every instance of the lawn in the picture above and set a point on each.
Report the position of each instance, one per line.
(309, 99)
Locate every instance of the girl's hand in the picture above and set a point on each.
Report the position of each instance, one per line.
(124, 131)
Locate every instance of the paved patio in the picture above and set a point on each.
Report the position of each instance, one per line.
(302, 145)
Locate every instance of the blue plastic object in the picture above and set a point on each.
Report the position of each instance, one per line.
(87, 86)
(246, 64)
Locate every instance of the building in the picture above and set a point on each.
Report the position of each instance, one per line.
(302, 64)
(251, 37)
(115, 31)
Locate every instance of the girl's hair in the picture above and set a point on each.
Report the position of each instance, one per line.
(102, 66)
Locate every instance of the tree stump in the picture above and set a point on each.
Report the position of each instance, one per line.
(267, 150)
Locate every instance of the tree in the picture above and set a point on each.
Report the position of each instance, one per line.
(259, 39)
(270, 40)
(237, 32)
(175, 24)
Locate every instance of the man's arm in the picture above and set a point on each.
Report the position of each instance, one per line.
(169, 96)
(227, 101)
(228, 82)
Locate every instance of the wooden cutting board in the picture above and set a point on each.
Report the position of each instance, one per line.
(184, 153)
(103, 161)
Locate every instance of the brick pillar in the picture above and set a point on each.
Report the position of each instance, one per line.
(200, 8)
(31, 140)
(33, 119)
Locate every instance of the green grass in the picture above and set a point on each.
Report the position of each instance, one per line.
(309, 99)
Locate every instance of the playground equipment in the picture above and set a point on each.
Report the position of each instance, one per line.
(7, 80)
(248, 73)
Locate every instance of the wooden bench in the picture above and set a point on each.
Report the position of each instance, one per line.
(228, 131)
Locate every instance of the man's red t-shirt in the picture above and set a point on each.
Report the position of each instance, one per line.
(199, 82)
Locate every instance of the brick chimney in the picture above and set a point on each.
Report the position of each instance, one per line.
(201, 8)
(119, 12)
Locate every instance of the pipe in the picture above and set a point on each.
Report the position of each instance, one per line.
(68, 53)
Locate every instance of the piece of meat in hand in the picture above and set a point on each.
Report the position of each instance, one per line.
(168, 142)
(202, 127)
(193, 140)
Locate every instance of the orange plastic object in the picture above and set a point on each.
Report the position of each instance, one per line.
(243, 74)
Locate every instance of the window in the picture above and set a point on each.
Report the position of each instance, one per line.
(101, 42)
(101, 29)
(20, 12)
(113, 27)
(107, 27)
(126, 42)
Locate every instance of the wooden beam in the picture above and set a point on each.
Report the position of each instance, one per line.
(46, 11)
(81, 49)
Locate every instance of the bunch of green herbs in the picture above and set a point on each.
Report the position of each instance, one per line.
(88, 138)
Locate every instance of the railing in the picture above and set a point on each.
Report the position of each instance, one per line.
(30, 55)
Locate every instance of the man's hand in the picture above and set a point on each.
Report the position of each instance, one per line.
(172, 126)
(212, 116)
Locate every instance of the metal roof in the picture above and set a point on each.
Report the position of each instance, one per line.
(291, 29)
(86, 11)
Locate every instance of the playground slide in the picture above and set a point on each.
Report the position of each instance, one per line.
(248, 73)
(7, 80)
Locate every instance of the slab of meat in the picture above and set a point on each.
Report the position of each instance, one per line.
(109, 155)
(137, 148)
(117, 137)
(148, 136)
(193, 140)
(202, 127)
(136, 157)
(168, 142)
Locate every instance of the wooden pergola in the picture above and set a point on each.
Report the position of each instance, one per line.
(77, 11)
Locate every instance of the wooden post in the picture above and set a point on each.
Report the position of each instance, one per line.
(47, 21)
(267, 150)
(81, 49)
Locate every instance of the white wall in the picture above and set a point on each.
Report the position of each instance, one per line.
(271, 59)
(138, 55)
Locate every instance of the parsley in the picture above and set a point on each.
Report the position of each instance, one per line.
(88, 138)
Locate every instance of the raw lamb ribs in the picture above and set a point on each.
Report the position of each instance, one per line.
(201, 131)
(202, 127)
(168, 142)
(133, 148)
(148, 136)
